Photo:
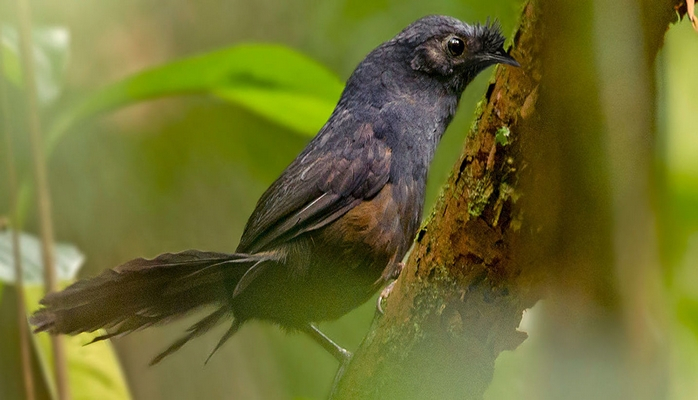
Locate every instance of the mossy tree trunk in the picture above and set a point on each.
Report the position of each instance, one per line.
(527, 213)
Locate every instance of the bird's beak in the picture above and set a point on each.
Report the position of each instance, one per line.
(501, 57)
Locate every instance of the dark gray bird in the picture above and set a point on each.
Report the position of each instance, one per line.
(331, 230)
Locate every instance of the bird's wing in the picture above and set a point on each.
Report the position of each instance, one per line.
(333, 175)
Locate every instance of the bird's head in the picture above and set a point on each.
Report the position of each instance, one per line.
(452, 51)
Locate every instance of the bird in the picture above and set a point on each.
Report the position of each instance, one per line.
(332, 230)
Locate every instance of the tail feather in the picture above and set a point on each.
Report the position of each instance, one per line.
(124, 328)
(143, 292)
(195, 330)
(228, 334)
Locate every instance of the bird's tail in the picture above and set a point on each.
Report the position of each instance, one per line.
(141, 293)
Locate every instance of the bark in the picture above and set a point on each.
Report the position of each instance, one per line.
(526, 211)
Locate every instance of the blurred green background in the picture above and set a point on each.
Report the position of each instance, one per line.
(185, 172)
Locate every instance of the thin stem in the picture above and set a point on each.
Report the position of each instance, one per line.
(41, 181)
(24, 353)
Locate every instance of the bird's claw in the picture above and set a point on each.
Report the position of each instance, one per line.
(394, 274)
(383, 296)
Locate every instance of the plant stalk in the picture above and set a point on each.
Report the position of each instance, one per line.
(41, 182)
(24, 351)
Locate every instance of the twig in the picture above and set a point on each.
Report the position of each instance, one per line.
(25, 358)
(42, 190)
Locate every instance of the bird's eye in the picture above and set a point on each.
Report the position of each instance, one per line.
(455, 46)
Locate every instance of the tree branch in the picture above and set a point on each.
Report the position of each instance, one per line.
(528, 199)
(461, 295)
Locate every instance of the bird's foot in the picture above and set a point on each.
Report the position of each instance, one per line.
(395, 273)
(384, 296)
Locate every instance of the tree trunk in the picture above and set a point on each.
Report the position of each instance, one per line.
(528, 212)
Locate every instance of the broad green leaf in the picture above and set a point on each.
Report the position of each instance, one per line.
(273, 81)
(68, 259)
(302, 113)
(93, 371)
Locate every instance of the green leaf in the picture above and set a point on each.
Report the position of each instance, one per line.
(302, 113)
(68, 259)
(93, 371)
(273, 81)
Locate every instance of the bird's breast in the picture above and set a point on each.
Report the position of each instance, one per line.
(376, 233)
